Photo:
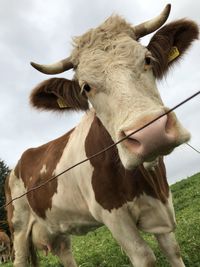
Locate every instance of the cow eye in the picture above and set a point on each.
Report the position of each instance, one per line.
(147, 60)
(86, 87)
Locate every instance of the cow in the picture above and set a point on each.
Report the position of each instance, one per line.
(124, 188)
(5, 247)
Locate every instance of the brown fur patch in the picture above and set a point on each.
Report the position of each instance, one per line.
(30, 166)
(113, 185)
(46, 94)
(180, 33)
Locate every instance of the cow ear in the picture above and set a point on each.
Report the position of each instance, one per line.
(59, 94)
(169, 44)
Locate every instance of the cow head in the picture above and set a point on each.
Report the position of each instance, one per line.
(117, 75)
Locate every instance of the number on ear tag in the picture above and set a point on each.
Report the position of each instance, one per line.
(174, 53)
(61, 103)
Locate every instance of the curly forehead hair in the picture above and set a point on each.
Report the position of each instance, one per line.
(102, 36)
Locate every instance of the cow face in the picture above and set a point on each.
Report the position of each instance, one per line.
(117, 75)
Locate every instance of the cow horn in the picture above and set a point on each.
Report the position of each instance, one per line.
(153, 24)
(54, 68)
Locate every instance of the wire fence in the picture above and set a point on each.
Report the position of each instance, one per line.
(104, 150)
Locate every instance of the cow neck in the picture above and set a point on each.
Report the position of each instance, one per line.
(113, 185)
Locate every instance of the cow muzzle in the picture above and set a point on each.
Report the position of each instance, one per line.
(158, 138)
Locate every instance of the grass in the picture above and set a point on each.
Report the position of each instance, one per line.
(99, 249)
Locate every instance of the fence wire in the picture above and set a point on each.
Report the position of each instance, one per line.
(104, 150)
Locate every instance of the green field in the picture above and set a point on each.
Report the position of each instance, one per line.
(98, 249)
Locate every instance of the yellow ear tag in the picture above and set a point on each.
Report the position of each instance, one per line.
(174, 53)
(61, 103)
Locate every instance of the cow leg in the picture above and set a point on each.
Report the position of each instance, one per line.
(20, 249)
(20, 222)
(20, 241)
(127, 235)
(62, 248)
(5, 257)
(170, 248)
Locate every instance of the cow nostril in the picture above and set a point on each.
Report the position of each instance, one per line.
(170, 124)
(131, 141)
(134, 142)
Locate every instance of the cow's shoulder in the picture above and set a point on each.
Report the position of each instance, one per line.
(41, 160)
(36, 166)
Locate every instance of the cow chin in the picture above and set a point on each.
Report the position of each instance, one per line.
(129, 160)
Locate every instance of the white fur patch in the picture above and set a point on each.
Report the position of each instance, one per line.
(72, 205)
(44, 169)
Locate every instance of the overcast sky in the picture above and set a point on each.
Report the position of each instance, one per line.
(41, 31)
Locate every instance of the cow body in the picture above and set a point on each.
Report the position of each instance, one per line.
(101, 192)
(5, 248)
(125, 187)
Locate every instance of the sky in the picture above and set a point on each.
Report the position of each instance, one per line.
(42, 31)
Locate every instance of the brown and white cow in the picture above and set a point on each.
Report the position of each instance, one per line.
(124, 188)
(5, 247)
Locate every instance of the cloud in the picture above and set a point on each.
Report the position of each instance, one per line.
(42, 31)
